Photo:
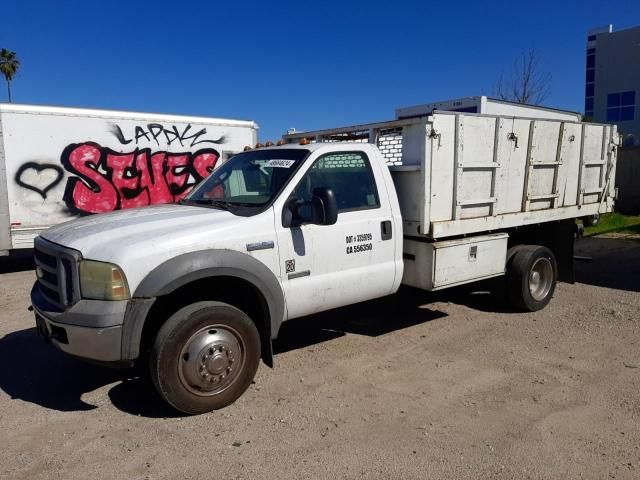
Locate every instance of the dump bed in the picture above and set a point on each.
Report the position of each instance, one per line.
(459, 174)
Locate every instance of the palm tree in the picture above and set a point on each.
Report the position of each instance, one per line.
(9, 65)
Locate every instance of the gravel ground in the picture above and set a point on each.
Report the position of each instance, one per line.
(453, 385)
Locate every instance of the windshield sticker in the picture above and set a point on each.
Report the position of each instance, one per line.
(280, 163)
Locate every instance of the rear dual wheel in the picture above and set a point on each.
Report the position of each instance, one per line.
(532, 273)
(204, 357)
(591, 220)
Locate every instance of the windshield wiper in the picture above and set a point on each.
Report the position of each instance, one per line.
(207, 201)
(224, 204)
(220, 203)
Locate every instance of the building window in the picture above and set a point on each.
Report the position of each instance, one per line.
(590, 38)
(591, 75)
(628, 98)
(589, 90)
(588, 104)
(621, 106)
(591, 61)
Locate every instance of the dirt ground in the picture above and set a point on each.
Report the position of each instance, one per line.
(454, 385)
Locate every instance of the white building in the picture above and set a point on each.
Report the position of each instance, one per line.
(490, 106)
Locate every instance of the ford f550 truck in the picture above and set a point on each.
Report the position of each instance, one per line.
(199, 289)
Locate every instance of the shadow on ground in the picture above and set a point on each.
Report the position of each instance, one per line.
(610, 262)
(17, 261)
(373, 318)
(38, 373)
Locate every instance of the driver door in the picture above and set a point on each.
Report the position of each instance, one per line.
(328, 266)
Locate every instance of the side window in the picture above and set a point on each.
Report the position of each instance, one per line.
(350, 177)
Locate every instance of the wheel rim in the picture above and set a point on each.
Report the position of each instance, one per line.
(540, 278)
(211, 360)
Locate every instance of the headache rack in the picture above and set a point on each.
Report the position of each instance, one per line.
(388, 136)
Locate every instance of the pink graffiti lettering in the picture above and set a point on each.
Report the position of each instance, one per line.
(106, 180)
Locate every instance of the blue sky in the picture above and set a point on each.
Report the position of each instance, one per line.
(292, 64)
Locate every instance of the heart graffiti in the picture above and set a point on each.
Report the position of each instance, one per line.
(39, 168)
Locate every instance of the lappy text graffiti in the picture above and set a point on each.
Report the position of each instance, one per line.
(108, 180)
(156, 133)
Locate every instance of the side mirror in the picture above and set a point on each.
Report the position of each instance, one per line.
(321, 210)
(325, 207)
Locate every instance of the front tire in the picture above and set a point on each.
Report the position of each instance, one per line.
(532, 274)
(204, 357)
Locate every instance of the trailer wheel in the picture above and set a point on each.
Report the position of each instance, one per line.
(204, 357)
(591, 220)
(532, 273)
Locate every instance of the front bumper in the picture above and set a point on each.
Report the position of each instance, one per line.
(90, 329)
(100, 344)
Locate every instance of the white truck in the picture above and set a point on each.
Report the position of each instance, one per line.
(199, 289)
(60, 163)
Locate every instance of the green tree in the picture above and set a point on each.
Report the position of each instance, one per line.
(9, 65)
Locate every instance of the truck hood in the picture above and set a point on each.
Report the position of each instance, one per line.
(159, 227)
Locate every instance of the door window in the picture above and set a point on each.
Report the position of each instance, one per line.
(350, 177)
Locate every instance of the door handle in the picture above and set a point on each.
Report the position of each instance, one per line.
(386, 230)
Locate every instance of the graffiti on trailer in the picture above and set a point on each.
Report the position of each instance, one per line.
(155, 132)
(106, 180)
(103, 180)
(40, 169)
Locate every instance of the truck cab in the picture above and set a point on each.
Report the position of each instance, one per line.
(200, 288)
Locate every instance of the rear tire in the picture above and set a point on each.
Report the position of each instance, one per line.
(591, 220)
(204, 357)
(532, 274)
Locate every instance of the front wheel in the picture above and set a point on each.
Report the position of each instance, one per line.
(205, 357)
(532, 274)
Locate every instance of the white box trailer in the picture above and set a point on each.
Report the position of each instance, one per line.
(59, 163)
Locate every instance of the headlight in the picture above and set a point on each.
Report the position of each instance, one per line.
(102, 281)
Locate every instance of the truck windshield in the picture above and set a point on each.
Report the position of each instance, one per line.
(250, 179)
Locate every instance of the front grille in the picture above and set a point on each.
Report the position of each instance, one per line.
(57, 269)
